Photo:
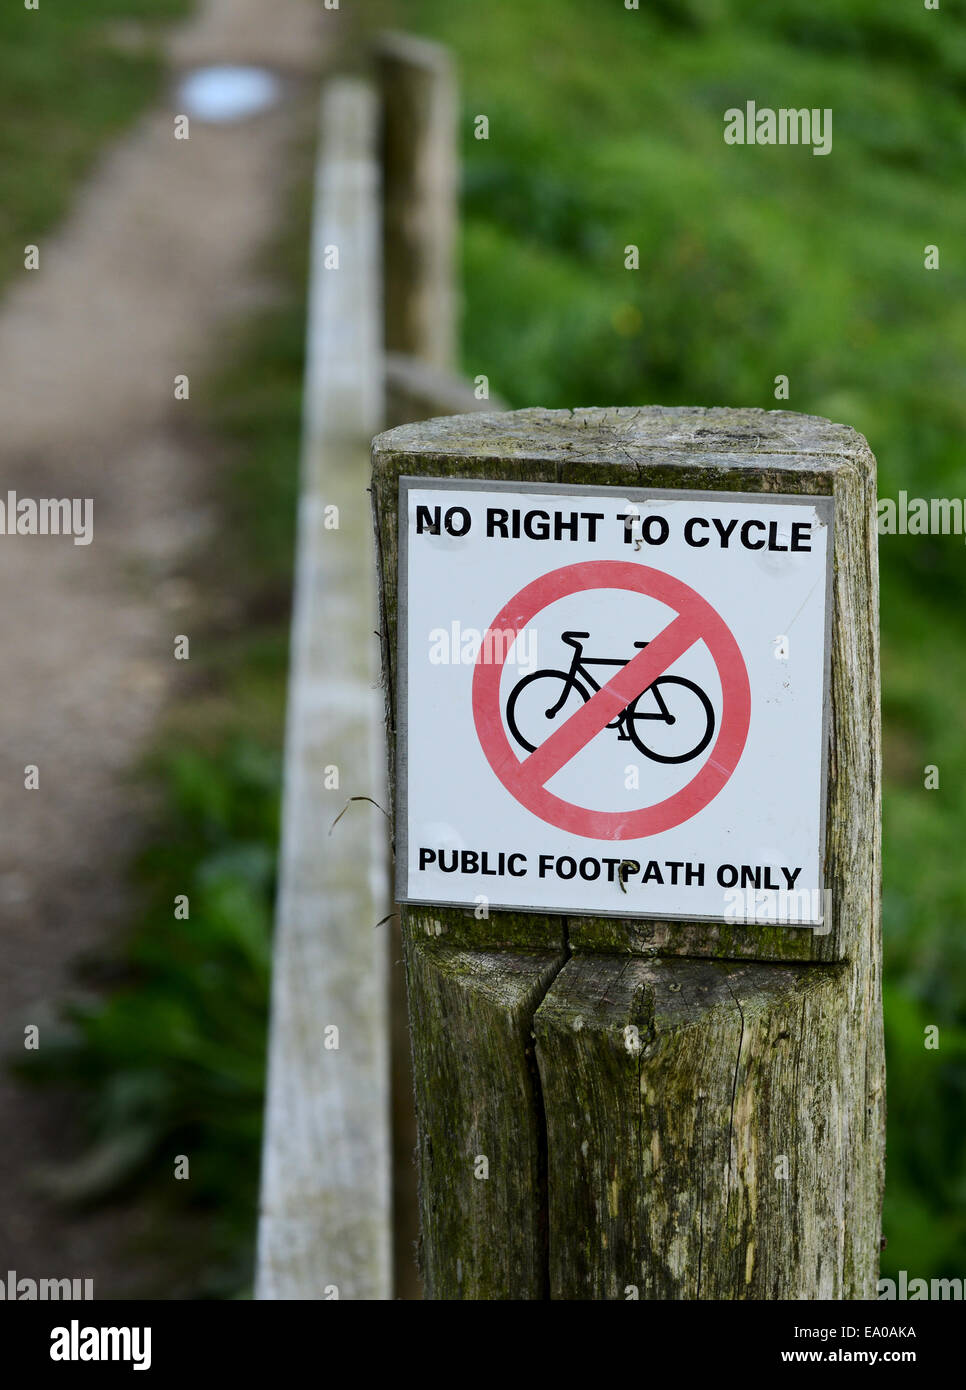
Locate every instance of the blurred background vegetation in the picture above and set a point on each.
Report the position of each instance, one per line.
(605, 129)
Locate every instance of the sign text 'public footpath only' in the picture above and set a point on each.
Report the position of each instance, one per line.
(613, 704)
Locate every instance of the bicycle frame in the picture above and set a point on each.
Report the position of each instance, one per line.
(578, 670)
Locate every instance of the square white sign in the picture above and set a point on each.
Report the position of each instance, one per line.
(613, 702)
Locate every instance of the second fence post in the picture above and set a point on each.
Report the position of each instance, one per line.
(420, 191)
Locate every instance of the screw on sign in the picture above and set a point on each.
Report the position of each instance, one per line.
(620, 703)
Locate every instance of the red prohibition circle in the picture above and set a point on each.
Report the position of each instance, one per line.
(696, 621)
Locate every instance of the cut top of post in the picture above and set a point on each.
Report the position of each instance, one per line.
(625, 435)
(632, 660)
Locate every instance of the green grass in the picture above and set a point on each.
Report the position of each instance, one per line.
(606, 129)
(73, 74)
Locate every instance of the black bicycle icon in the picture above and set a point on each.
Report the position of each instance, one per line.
(676, 701)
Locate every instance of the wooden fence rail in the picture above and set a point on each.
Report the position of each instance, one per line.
(325, 1208)
(326, 1223)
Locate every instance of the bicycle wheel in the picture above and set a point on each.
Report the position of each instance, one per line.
(528, 708)
(695, 716)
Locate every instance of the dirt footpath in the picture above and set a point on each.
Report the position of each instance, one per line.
(141, 284)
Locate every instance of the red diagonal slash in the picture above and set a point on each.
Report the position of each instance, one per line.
(607, 702)
(697, 621)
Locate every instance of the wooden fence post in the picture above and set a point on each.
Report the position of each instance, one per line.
(420, 196)
(705, 1118)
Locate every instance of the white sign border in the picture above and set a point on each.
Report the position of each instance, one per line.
(824, 505)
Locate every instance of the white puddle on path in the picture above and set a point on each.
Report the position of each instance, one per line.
(227, 93)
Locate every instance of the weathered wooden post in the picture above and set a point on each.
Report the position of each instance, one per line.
(631, 663)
